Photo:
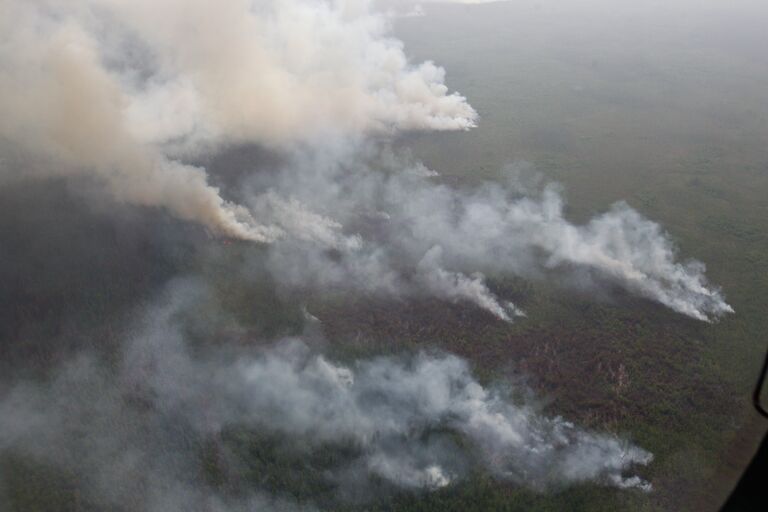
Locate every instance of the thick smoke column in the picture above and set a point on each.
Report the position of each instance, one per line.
(132, 95)
(125, 90)
(128, 436)
(128, 92)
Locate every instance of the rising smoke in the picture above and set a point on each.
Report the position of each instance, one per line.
(125, 101)
(123, 92)
(132, 432)
(420, 235)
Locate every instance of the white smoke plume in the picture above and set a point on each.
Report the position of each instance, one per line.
(123, 90)
(455, 285)
(129, 435)
(418, 235)
(127, 91)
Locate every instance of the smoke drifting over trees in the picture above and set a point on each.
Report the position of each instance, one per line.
(125, 92)
(129, 431)
(117, 112)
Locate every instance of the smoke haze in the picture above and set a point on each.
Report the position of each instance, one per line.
(128, 433)
(144, 144)
(121, 92)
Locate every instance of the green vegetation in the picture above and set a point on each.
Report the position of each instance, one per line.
(641, 112)
(607, 126)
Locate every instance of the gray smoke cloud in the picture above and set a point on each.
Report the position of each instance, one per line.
(127, 92)
(133, 96)
(407, 233)
(124, 90)
(131, 434)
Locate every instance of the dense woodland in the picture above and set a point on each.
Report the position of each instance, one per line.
(676, 130)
